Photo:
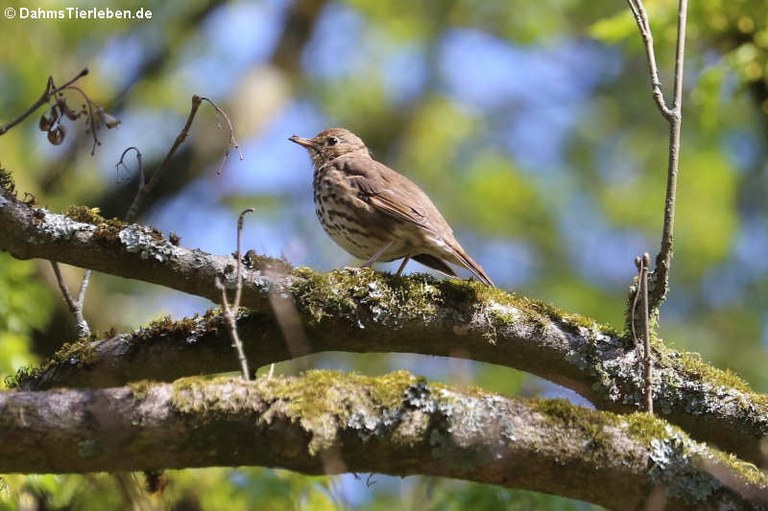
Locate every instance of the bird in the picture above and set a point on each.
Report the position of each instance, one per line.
(376, 213)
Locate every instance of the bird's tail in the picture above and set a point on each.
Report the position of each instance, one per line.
(470, 264)
(464, 259)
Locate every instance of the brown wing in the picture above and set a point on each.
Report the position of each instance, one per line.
(397, 196)
(394, 194)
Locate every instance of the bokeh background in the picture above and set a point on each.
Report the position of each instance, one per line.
(530, 124)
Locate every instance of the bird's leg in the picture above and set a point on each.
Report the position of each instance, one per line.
(378, 253)
(402, 265)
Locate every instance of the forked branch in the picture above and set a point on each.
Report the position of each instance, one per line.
(659, 279)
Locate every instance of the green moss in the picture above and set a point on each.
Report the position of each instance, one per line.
(140, 389)
(595, 425)
(319, 393)
(321, 401)
(645, 427)
(265, 263)
(167, 327)
(364, 294)
(567, 319)
(22, 376)
(591, 422)
(750, 473)
(697, 369)
(316, 294)
(540, 314)
(7, 186)
(108, 230)
(84, 214)
(80, 353)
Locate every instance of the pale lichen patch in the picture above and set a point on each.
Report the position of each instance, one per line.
(142, 240)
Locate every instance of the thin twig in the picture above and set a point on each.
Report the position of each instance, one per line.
(146, 188)
(231, 323)
(229, 313)
(83, 288)
(232, 140)
(641, 17)
(63, 287)
(93, 125)
(150, 185)
(75, 307)
(648, 358)
(635, 299)
(659, 284)
(238, 256)
(50, 90)
(641, 297)
(121, 163)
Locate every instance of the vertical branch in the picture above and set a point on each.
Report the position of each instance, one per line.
(647, 355)
(641, 18)
(229, 312)
(146, 187)
(659, 279)
(641, 298)
(75, 306)
(238, 256)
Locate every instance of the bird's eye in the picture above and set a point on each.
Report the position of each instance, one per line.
(332, 141)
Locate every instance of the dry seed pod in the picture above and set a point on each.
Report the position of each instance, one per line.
(46, 121)
(71, 114)
(110, 121)
(56, 135)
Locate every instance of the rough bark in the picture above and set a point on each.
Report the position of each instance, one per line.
(328, 422)
(362, 311)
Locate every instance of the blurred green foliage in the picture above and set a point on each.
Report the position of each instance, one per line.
(25, 305)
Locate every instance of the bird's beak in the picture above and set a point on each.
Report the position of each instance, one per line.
(306, 142)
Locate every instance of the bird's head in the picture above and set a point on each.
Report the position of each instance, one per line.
(330, 144)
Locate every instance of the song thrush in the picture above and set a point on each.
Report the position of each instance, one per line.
(375, 213)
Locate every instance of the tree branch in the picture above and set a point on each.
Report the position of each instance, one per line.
(75, 306)
(364, 311)
(659, 279)
(326, 422)
(710, 405)
(127, 250)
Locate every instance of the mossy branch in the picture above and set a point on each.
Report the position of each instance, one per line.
(327, 422)
(364, 311)
(338, 315)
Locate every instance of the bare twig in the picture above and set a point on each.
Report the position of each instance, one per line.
(121, 163)
(230, 321)
(93, 118)
(641, 297)
(641, 17)
(232, 140)
(229, 312)
(238, 256)
(63, 286)
(83, 287)
(147, 187)
(75, 306)
(659, 284)
(51, 121)
(50, 91)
